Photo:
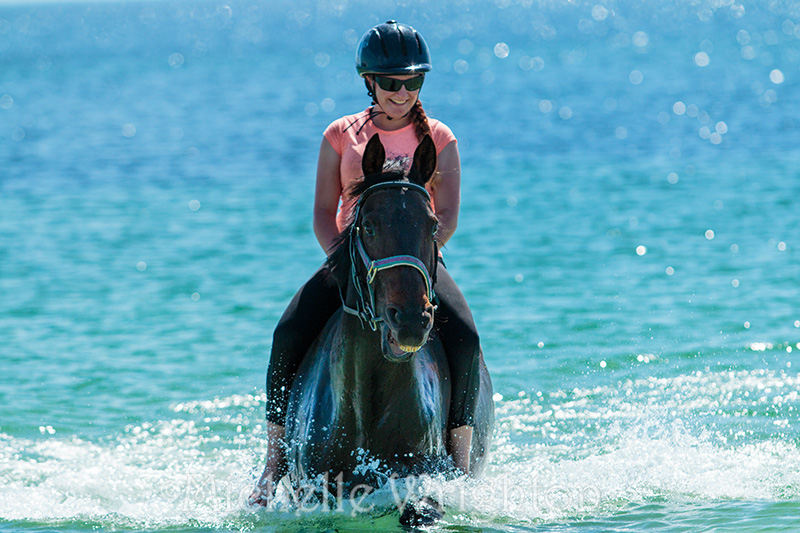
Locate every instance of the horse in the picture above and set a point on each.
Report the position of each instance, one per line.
(375, 384)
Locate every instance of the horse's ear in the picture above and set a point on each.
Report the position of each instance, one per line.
(374, 156)
(424, 162)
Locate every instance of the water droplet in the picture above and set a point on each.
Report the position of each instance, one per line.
(501, 50)
(636, 77)
(565, 113)
(672, 177)
(679, 108)
(322, 59)
(709, 234)
(195, 296)
(640, 39)
(461, 66)
(328, 105)
(641, 250)
(141, 266)
(194, 205)
(599, 13)
(603, 364)
(519, 278)
(776, 76)
(735, 283)
(531, 63)
(176, 60)
(6, 102)
(782, 246)
(701, 59)
(128, 130)
(743, 37)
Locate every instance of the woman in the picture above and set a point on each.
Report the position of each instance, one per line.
(393, 59)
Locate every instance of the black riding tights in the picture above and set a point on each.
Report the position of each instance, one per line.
(316, 302)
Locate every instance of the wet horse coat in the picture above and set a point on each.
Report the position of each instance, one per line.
(376, 383)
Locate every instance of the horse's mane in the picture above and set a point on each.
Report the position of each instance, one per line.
(338, 262)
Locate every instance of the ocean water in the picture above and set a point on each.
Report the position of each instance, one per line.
(628, 243)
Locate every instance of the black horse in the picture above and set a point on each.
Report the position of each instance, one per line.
(375, 384)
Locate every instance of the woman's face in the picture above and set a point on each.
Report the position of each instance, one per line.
(396, 104)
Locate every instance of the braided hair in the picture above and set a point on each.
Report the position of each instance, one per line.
(420, 120)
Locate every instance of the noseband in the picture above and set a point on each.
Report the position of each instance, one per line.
(365, 304)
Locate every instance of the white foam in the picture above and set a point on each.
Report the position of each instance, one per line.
(581, 452)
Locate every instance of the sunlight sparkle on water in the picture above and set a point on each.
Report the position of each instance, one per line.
(501, 50)
(128, 130)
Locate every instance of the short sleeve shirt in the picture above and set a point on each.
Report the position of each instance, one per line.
(349, 136)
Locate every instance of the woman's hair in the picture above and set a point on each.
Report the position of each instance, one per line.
(420, 120)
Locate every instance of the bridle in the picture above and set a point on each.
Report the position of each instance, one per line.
(365, 302)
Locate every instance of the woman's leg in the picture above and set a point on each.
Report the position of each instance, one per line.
(459, 335)
(301, 323)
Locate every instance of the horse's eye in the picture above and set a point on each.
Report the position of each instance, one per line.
(435, 228)
(369, 229)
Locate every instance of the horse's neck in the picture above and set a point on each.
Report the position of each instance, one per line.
(368, 380)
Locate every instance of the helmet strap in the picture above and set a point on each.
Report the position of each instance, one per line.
(370, 92)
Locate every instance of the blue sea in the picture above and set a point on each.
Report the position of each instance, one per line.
(629, 244)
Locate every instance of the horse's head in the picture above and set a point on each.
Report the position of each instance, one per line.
(392, 252)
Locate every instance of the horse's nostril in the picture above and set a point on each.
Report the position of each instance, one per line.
(427, 316)
(392, 315)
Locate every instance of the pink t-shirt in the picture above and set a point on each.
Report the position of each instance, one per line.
(349, 136)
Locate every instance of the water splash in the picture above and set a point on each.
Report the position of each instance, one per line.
(696, 438)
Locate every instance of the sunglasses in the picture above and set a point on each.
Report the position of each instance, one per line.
(393, 85)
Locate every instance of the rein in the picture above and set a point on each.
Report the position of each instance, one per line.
(365, 304)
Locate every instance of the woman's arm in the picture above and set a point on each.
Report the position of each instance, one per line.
(326, 197)
(447, 192)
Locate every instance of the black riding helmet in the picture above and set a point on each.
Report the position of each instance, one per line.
(392, 48)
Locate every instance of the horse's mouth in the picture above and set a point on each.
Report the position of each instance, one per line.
(393, 350)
